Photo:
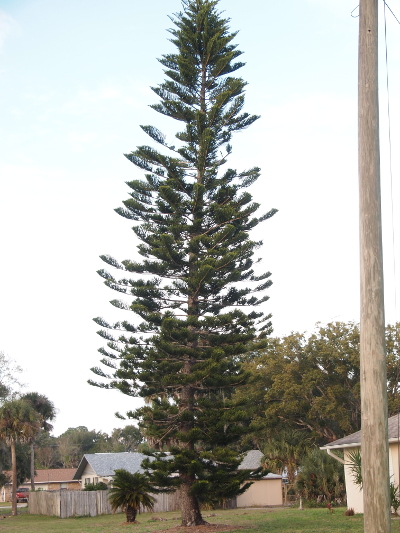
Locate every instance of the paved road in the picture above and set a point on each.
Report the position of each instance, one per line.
(9, 506)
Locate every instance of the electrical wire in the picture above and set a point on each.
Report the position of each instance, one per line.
(390, 158)
(386, 5)
(392, 208)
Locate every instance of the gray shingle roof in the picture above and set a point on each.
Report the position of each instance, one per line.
(252, 460)
(104, 464)
(355, 438)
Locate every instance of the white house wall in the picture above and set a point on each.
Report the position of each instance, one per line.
(354, 494)
(394, 449)
(89, 476)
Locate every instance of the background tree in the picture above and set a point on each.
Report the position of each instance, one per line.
(193, 216)
(126, 439)
(285, 451)
(130, 492)
(9, 382)
(306, 383)
(320, 475)
(46, 451)
(392, 335)
(46, 411)
(19, 423)
(23, 462)
(75, 442)
(68, 449)
(312, 383)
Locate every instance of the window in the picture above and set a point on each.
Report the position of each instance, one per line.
(87, 481)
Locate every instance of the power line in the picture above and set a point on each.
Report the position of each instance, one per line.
(390, 159)
(386, 5)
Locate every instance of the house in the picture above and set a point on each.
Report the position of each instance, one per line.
(100, 467)
(263, 492)
(352, 443)
(45, 479)
(97, 467)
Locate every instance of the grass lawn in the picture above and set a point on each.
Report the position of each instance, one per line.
(287, 520)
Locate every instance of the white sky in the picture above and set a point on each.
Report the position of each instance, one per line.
(74, 87)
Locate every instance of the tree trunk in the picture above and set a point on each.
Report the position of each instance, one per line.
(32, 466)
(14, 479)
(290, 474)
(190, 508)
(131, 513)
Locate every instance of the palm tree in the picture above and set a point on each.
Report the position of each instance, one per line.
(319, 475)
(19, 422)
(130, 492)
(286, 450)
(46, 410)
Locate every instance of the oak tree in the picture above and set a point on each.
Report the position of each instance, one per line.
(312, 382)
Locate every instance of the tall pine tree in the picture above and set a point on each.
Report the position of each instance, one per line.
(193, 217)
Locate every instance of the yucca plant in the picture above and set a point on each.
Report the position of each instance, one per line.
(131, 492)
(354, 462)
(355, 469)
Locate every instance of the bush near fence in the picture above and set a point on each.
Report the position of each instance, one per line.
(68, 503)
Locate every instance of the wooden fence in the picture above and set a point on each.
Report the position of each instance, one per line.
(68, 503)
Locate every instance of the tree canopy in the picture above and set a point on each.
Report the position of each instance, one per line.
(46, 411)
(312, 383)
(195, 289)
(9, 372)
(19, 423)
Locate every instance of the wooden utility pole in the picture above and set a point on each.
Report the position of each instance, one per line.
(374, 412)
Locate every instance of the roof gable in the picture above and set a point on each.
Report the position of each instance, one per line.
(105, 464)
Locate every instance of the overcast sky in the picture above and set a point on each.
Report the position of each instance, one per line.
(74, 88)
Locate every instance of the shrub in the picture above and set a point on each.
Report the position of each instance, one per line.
(394, 496)
(131, 492)
(96, 486)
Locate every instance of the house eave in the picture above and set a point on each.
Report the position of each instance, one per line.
(340, 446)
(352, 445)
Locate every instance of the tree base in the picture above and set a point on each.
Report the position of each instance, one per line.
(193, 523)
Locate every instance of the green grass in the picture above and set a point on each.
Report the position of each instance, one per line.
(260, 520)
(257, 520)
